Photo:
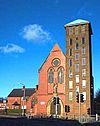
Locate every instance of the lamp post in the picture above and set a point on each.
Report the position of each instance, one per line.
(24, 99)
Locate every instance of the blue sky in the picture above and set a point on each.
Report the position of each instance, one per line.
(28, 31)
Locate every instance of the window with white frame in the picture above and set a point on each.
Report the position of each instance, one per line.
(70, 84)
(83, 50)
(84, 96)
(70, 73)
(83, 61)
(76, 56)
(84, 83)
(77, 67)
(83, 72)
(70, 96)
(77, 78)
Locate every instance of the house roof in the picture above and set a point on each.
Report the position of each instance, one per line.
(76, 22)
(19, 92)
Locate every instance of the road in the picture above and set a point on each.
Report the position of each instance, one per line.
(5, 121)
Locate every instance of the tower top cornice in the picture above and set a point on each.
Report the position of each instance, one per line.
(76, 22)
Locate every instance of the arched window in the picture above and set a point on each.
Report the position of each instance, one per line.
(60, 76)
(50, 76)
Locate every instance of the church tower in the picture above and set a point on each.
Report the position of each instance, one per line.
(79, 78)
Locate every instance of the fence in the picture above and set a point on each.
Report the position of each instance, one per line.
(86, 119)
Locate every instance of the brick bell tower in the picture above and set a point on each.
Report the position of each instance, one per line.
(79, 79)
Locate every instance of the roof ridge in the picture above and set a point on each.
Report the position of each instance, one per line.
(76, 22)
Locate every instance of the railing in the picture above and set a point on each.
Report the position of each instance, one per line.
(86, 119)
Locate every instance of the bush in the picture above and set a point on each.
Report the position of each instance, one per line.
(14, 111)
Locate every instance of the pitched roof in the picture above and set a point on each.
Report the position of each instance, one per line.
(76, 22)
(55, 48)
(19, 92)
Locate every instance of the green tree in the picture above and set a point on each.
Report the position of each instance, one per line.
(97, 102)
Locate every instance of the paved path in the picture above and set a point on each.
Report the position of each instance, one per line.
(36, 122)
(19, 121)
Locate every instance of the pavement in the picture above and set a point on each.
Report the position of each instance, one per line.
(5, 121)
(23, 121)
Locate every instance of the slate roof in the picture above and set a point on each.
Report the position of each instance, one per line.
(19, 92)
(76, 22)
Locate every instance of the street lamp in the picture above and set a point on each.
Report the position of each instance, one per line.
(24, 99)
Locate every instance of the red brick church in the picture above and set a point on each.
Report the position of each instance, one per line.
(63, 77)
(52, 83)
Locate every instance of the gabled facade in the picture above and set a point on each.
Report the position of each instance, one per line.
(20, 99)
(52, 83)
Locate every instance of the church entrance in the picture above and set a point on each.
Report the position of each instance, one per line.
(55, 109)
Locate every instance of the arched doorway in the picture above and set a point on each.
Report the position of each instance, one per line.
(51, 108)
(55, 109)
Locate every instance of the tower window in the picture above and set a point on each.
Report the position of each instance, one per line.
(70, 52)
(50, 76)
(70, 41)
(76, 56)
(84, 83)
(70, 73)
(70, 84)
(60, 76)
(77, 67)
(83, 28)
(70, 96)
(83, 40)
(77, 78)
(76, 30)
(83, 61)
(70, 31)
(83, 72)
(77, 45)
(70, 62)
(83, 50)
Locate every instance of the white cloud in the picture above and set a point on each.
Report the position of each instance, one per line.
(35, 33)
(83, 11)
(11, 48)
